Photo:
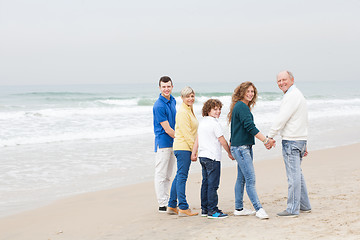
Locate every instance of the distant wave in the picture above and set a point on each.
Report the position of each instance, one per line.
(213, 94)
(80, 99)
(54, 94)
(146, 102)
(118, 99)
(118, 102)
(115, 96)
(344, 102)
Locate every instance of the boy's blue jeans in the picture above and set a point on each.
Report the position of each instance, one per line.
(210, 184)
(177, 192)
(293, 152)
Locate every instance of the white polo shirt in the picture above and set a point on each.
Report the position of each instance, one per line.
(208, 133)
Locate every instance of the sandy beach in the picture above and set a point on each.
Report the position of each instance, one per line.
(333, 179)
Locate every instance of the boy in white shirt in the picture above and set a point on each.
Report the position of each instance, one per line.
(208, 145)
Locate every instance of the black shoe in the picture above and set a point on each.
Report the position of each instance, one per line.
(162, 209)
(204, 213)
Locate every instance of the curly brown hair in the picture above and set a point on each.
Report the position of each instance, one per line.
(210, 104)
(239, 94)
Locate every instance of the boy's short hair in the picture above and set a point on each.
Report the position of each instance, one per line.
(165, 79)
(210, 104)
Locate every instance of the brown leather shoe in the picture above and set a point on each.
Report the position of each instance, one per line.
(172, 211)
(187, 212)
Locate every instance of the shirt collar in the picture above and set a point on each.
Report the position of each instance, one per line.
(290, 88)
(211, 118)
(186, 106)
(164, 99)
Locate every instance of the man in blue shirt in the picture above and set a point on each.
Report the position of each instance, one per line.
(164, 112)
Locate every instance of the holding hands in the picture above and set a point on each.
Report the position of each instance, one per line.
(269, 143)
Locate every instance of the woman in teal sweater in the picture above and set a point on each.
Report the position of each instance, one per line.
(243, 131)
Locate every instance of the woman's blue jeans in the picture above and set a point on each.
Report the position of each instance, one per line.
(177, 192)
(210, 184)
(246, 176)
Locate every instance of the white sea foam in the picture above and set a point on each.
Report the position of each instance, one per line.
(118, 102)
(126, 118)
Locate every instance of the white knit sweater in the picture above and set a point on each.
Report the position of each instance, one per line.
(292, 120)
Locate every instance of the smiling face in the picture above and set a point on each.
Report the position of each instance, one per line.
(249, 95)
(166, 89)
(215, 112)
(189, 99)
(284, 81)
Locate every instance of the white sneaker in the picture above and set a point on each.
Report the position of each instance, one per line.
(262, 214)
(244, 212)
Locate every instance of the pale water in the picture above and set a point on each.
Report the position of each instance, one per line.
(57, 141)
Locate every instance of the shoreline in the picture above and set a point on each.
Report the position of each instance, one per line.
(88, 184)
(130, 212)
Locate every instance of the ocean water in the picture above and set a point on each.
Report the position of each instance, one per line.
(56, 141)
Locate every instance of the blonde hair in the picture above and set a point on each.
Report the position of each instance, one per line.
(239, 94)
(186, 91)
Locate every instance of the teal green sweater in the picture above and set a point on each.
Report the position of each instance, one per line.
(243, 128)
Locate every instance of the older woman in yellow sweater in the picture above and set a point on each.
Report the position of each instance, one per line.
(185, 134)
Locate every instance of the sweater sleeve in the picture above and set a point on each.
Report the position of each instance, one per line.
(288, 106)
(249, 124)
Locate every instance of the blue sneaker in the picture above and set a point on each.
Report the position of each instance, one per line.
(217, 215)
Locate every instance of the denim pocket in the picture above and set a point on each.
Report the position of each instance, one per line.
(303, 148)
(294, 147)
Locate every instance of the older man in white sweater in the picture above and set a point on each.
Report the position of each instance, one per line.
(292, 124)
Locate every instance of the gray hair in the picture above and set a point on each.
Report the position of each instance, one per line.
(288, 72)
(290, 75)
(186, 91)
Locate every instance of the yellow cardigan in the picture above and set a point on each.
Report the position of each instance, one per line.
(186, 126)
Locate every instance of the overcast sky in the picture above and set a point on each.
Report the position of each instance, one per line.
(114, 41)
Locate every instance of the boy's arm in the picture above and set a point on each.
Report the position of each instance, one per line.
(168, 129)
(195, 150)
(225, 145)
